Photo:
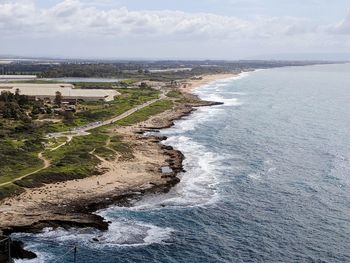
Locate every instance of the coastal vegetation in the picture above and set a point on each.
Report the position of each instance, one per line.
(72, 161)
(138, 70)
(92, 140)
(21, 142)
(80, 157)
(19, 107)
(143, 114)
(88, 112)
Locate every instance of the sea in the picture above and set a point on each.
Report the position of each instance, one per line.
(267, 180)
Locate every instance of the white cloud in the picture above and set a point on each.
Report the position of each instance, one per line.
(343, 27)
(75, 17)
(76, 27)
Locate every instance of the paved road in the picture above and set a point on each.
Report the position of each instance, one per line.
(79, 131)
(83, 130)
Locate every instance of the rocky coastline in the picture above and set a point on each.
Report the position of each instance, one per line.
(80, 212)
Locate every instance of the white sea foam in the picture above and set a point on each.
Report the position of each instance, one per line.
(190, 123)
(267, 169)
(198, 186)
(211, 90)
(41, 256)
(121, 233)
(226, 101)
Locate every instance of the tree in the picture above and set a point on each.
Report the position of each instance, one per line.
(68, 117)
(143, 85)
(17, 92)
(2, 106)
(58, 98)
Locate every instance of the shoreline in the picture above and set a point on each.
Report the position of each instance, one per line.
(189, 86)
(73, 205)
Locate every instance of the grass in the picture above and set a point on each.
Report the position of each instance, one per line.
(95, 84)
(17, 158)
(99, 111)
(145, 113)
(10, 190)
(13, 176)
(174, 94)
(55, 142)
(127, 82)
(122, 148)
(72, 161)
(105, 153)
(182, 98)
(18, 155)
(77, 160)
(20, 143)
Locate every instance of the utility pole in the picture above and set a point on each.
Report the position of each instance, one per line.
(9, 250)
(75, 254)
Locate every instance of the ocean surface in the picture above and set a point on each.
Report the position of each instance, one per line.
(268, 180)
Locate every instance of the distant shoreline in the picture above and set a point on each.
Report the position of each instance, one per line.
(203, 80)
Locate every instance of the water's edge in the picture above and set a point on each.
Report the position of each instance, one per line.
(86, 214)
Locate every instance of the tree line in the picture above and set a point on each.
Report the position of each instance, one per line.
(20, 107)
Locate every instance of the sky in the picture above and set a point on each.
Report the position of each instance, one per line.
(181, 29)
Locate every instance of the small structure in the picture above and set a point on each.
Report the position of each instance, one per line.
(47, 92)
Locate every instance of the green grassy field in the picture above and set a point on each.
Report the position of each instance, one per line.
(72, 161)
(143, 114)
(98, 111)
(20, 145)
(18, 157)
(9, 190)
(77, 159)
(174, 94)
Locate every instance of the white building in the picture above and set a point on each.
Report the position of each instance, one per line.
(48, 92)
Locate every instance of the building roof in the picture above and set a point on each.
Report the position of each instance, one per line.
(66, 90)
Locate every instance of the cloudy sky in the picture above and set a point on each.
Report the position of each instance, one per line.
(181, 29)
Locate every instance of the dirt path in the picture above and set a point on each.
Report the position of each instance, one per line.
(69, 138)
(43, 159)
(46, 162)
(46, 165)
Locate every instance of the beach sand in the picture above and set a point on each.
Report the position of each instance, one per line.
(194, 83)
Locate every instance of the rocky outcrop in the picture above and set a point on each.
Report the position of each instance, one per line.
(79, 213)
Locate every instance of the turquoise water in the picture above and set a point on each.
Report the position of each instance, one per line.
(268, 180)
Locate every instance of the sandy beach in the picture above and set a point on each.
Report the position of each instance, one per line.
(190, 85)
